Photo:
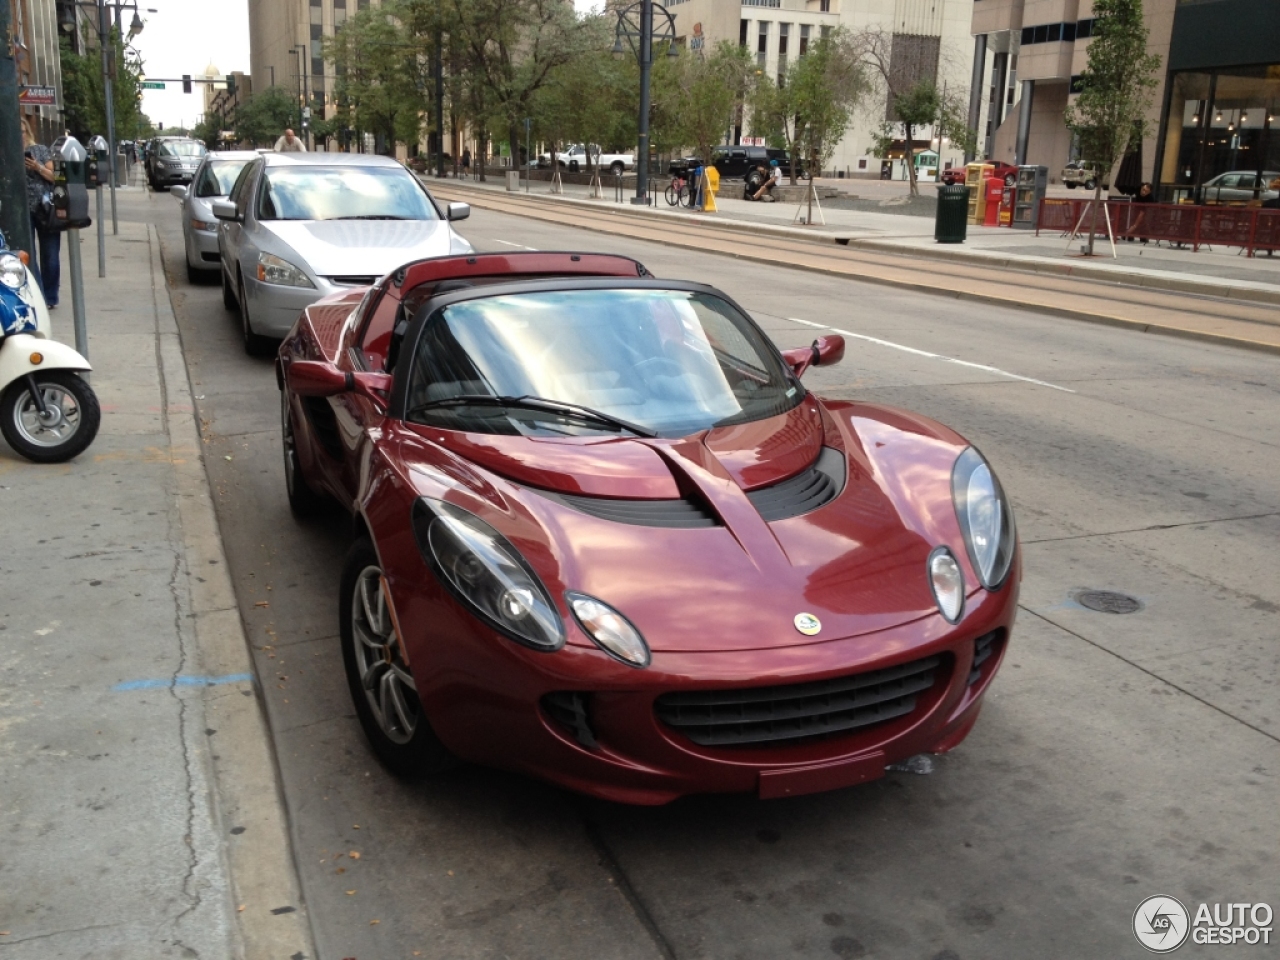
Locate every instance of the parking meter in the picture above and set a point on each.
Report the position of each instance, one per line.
(97, 154)
(70, 190)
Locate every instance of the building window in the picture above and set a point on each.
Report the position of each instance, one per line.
(804, 39)
(742, 32)
(825, 7)
(826, 32)
(762, 43)
(784, 31)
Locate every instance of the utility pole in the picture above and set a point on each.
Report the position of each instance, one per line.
(15, 219)
(107, 42)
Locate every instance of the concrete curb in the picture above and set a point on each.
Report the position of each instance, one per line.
(1241, 290)
(270, 914)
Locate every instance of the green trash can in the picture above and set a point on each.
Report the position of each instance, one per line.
(953, 213)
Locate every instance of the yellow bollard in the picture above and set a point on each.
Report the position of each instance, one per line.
(710, 186)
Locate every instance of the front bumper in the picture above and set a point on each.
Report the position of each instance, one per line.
(273, 309)
(487, 702)
(203, 248)
(168, 176)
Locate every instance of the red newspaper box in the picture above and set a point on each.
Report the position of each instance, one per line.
(995, 198)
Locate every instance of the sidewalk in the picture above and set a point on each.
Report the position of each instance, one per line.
(140, 807)
(1221, 272)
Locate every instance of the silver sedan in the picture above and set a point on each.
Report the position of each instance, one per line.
(299, 226)
(213, 180)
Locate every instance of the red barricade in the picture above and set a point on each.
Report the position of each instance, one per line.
(1250, 228)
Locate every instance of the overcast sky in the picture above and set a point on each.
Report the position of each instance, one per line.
(185, 36)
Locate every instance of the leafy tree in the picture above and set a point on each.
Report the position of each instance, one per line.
(810, 111)
(512, 48)
(84, 93)
(1116, 89)
(264, 116)
(382, 68)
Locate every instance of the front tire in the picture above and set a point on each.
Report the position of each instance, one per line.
(617, 167)
(303, 501)
(382, 687)
(70, 422)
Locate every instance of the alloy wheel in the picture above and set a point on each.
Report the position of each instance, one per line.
(385, 678)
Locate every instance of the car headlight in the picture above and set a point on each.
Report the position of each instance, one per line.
(611, 631)
(985, 518)
(203, 225)
(482, 569)
(947, 583)
(274, 270)
(12, 273)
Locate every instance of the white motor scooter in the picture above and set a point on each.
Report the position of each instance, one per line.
(48, 412)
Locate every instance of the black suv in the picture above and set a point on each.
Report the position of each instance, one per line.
(173, 160)
(737, 161)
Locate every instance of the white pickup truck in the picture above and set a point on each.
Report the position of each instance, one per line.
(575, 159)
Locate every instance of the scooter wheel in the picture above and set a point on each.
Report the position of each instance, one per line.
(66, 428)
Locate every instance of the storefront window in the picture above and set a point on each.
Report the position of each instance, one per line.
(1221, 123)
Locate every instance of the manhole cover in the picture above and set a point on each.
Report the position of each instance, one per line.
(1108, 601)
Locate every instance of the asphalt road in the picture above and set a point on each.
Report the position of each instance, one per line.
(1118, 756)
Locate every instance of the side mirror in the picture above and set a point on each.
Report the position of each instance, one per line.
(178, 191)
(317, 378)
(458, 211)
(823, 352)
(226, 210)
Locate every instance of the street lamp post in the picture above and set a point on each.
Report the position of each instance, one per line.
(636, 24)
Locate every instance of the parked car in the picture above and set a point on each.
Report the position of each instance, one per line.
(298, 226)
(735, 162)
(575, 158)
(213, 180)
(1237, 186)
(606, 536)
(1079, 173)
(173, 160)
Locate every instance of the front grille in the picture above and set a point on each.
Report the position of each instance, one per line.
(569, 709)
(209, 257)
(799, 711)
(676, 514)
(353, 281)
(983, 648)
(805, 492)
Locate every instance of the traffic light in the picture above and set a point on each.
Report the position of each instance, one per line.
(161, 126)
(186, 83)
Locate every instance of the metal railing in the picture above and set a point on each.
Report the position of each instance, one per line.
(1249, 228)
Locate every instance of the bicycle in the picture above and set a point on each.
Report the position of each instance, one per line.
(677, 193)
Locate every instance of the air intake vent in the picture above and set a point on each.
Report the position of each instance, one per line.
(797, 712)
(673, 514)
(983, 648)
(805, 492)
(569, 709)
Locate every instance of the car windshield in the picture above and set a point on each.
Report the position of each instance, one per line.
(183, 148)
(343, 193)
(664, 362)
(219, 177)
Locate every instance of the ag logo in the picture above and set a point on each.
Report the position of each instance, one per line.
(807, 624)
(1161, 924)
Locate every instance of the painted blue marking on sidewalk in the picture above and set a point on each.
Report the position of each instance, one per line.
(182, 682)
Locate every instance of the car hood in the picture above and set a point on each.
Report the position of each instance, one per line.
(857, 563)
(364, 247)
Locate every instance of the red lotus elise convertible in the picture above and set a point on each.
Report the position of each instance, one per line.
(606, 537)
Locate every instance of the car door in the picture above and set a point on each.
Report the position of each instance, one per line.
(231, 233)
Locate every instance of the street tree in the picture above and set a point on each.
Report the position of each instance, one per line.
(383, 72)
(710, 89)
(809, 112)
(512, 49)
(1116, 88)
(84, 93)
(265, 115)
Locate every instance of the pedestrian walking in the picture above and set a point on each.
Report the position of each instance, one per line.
(48, 240)
(466, 163)
(1144, 195)
(288, 143)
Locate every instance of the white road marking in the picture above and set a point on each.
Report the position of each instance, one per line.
(931, 356)
(510, 244)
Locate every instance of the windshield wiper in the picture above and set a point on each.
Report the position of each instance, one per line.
(535, 403)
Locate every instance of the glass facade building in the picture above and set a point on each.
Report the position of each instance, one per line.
(1221, 102)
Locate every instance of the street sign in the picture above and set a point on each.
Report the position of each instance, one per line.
(38, 96)
(152, 85)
